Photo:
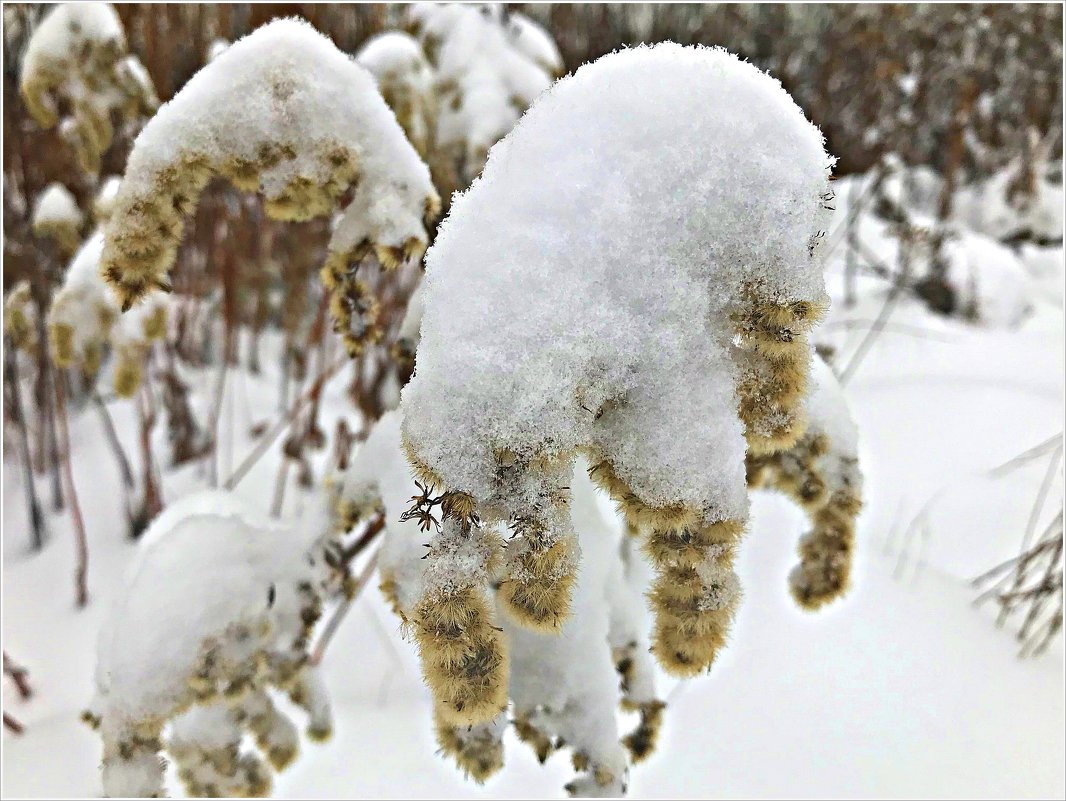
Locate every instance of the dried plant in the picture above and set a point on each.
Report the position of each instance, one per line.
(500, 405)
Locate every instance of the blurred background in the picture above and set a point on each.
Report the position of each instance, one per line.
(945, 265)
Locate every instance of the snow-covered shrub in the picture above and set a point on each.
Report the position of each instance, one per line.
(489, 67)
(821, 474)
(285, 113)
(632, 278)
(405, 80)
(76, 60)
(56, 216)
(20, 316)
(563, 686)
(217, 607)
(82, 312)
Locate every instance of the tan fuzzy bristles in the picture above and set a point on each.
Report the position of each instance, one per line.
(541, 744)
(155, 326)
(424, 474)
(634, 510)
(537, 593)
(61, 344)
(824, 572)
(477, 753)
(128, 376)
(695, 594)
(463, 654)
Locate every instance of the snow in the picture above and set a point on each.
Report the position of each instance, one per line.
(566, 325)
(56, 205)
(535, 42)
(104, 202)
(82, 311)
(214, 595)
(487, 69)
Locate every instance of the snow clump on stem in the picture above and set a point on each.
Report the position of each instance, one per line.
(633, 278)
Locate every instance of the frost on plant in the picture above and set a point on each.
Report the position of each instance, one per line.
(76, 66)
(821, 474)
(56, 216)
(217, 608)
(489, 67)
(563, 688)
(284, 113)
(632, 279)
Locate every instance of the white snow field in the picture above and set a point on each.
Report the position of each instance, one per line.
(901, 689)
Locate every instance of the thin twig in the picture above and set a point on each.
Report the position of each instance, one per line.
(81, 544)
(271, 436)
(342, 610)
(1024, 458)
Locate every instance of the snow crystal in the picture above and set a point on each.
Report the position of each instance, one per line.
(581, 292)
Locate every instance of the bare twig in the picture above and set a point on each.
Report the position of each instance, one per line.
(276, 430)
(342, 610)
(81, 544)
(19, 677)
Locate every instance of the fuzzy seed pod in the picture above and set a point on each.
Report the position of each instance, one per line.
(20, 317)
(820, 473)
(278, 147)
(477, 750)
(464, 658)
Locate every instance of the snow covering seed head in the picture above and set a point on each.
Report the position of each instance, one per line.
(227, 638)
(56, 216)
(75, 61)
(488, 68)
(284, 113)
(536, 337)
(405, 81)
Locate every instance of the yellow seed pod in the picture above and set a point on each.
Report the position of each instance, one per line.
(155, 325)
(61, 344)
(479, 755)
(463, 656)
(128, 375)
(18, 316)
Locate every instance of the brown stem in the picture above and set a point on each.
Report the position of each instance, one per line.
(342, 610)
(19, 677)
(13, 725)
(81, 543)
(271, 436)
(15, 407)
(113, 440)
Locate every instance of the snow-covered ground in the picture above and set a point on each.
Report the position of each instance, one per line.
(901, 689)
